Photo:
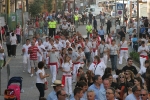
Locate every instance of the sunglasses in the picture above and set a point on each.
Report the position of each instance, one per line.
(142, 94)
(121, 77)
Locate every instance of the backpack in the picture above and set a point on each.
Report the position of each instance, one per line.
(9, 94)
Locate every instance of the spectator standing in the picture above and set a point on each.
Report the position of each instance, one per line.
(76, 19)
(110, 94)
(108, 26)
(89, 29)
(113, 54)
(129, 66)
(94, 23)
(41, 24)
(8, 44)
(90, 95)
(78, 93)
(57, 86)
(45, 26)
(101, 32)
(18, 34)
(13, 40)
(41, 78)
(102, 92)
(135, 95)
(61, 95)
(96, 86)
(90, 17)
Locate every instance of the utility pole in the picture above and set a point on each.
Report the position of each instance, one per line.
(74, 6)
(138, 29)
(123, 11)
(27, 5)
(22, 7)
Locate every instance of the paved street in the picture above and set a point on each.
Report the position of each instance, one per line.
(31, 92)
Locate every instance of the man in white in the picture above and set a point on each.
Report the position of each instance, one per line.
(41, 48)
(26, 60)
(75, 60)
(123, 50)
(103, 51)
(53, 60)
(143, 50)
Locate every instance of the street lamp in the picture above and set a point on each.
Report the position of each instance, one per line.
(74, 6)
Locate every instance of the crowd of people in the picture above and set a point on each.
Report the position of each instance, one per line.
(72, 54)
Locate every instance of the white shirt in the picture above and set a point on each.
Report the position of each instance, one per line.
(123, 44)
(41, 49)
(98, 69)
(25, 47)
(38, 79)
(73, 56)
(67, 67)
(13, 40)
(143, 48)
(88, 47)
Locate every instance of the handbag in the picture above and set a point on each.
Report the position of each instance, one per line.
(102, 54)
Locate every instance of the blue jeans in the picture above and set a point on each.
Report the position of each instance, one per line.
(113, 59)
(18, 38)
(45, 30)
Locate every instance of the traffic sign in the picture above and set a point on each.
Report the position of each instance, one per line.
(119, 6)
(119, 12)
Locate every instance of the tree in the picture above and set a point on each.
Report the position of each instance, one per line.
(35, 7)
(59, 4)
(49, 5)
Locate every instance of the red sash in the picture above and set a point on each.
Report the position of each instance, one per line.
(75, 64)
(64, 77)
(123, 48)
(54, 64)
(144, 57)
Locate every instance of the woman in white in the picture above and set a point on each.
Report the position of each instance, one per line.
(13, 40)
(67, 77)
(82, 56)
(123, 49)
(41, 78)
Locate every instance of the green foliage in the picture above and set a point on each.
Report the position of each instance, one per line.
(134, 56)
(59, 4)
(49, 5)
(35, 7)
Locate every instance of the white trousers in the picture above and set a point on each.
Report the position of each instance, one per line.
(82, 65)
(68, 85)
(75, 71)
(123, 53)
(26, 63)
(53, 71)
(142, 61)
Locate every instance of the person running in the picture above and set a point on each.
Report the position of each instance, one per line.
(26, 60)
